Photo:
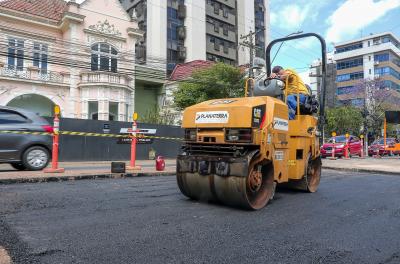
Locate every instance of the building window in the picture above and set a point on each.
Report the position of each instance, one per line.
(226, 31)
(225, 12)
(391, 85)
(381, 57)
(350, 76)
(93, 110)
(15, 56)
(104, 57)
(40, 57)
(346, 90)
(113, 111)
(387, 71)
(349, 63)
(216, 8)
(357, 102)
(386, 39)
(216, 27)
(349, 48)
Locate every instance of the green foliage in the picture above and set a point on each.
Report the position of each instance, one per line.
(155, 116)
(345, 119)
(219, 81)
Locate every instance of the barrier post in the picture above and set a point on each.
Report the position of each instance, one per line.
(56, 128)
(333, 145)
(346, 147)
(362, 156)
(132, 163)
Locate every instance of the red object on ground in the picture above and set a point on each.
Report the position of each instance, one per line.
(160, 163)
(54, 160)
(132, 163)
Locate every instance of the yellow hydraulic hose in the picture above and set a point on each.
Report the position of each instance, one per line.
(246, 86)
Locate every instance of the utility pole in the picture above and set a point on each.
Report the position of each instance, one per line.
(248, 42)
(365, 115)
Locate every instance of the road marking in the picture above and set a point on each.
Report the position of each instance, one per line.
(4, 257)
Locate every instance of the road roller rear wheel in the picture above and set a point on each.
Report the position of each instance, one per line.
(260, 186)
(313, 175)
(311, 178)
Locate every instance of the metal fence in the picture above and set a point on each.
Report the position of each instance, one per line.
(86, 148)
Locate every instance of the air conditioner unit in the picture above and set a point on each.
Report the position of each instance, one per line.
(376, 63)
(182, 53)
(181, 11)
(181, 32)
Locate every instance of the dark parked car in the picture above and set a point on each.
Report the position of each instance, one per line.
(31, 152)
(355, 147)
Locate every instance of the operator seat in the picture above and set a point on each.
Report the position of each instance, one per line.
(276, 88)
(311, 104)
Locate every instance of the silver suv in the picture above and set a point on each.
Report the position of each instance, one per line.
(24, 152)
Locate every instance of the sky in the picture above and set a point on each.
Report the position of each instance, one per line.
(335, 20)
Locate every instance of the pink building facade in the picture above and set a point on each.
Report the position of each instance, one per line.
(78, 56)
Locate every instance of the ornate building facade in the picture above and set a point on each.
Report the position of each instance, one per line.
(79, 56)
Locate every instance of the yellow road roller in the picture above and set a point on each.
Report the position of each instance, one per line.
(237, 150)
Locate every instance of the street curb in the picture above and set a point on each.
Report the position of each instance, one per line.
(84, 177)
(362, 170)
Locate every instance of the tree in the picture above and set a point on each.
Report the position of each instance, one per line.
(155, 116)
(344, 119)
(378, 98)
(219, 81)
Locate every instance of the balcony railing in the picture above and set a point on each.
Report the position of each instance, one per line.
(33, 74)
(105, 78)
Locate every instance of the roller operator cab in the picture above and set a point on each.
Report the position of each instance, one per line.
(237, 150)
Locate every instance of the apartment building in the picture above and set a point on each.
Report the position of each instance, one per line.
(370, 57)
(178, 31)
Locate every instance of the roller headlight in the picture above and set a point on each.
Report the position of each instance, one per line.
(190, 134)
(238, 135)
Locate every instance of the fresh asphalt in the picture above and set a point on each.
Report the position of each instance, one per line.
(353, 218)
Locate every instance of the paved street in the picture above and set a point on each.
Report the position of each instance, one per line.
(354, 218)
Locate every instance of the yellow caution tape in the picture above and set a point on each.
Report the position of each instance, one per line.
(25, 133)
(73, 133)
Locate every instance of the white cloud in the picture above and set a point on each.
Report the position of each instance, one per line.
(305, 76)
(354, 15)
(290, 17)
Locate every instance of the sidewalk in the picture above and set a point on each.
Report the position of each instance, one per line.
(83, 170)
(102, 169)
(386, 165)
